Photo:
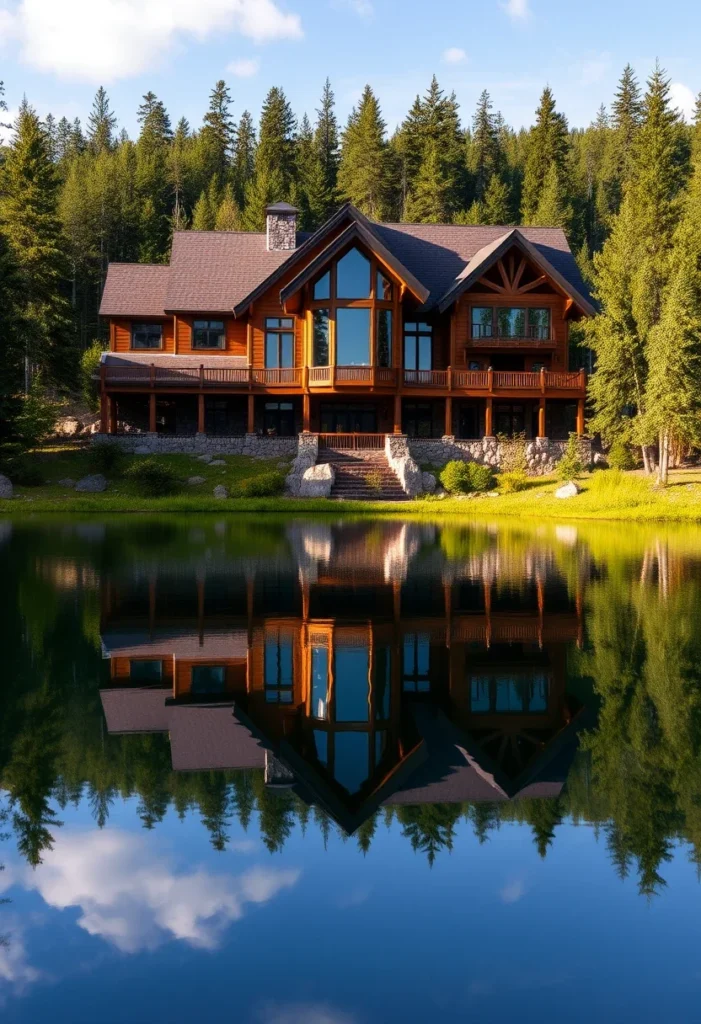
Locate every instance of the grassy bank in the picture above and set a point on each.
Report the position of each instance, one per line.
(605, 494)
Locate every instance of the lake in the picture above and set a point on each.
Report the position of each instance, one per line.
(320, 771)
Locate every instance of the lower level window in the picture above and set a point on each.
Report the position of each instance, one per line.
(146, 336)
(279, 419)
(419, 420)
(208, 679)
(208, 334)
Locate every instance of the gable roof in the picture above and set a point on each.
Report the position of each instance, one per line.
(225, 271)
(492, 251)
(356, 230)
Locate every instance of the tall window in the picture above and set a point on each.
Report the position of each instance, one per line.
(352, 336)
(320, 355)
(539, 324)
(352, 305)
(208, 334)
(279, 341)
(482, 321)
(278, 674)
(512, 322)
(415, 676)
(417, 346)
(146, 336)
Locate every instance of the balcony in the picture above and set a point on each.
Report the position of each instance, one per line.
(352, 376)
(496, 381)
(486, 336)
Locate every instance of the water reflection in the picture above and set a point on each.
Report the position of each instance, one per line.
(352, 673)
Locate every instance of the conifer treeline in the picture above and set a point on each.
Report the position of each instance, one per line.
(74, 197)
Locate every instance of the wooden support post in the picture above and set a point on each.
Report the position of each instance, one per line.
(152, 426)
(113, 415)
(449, 416)
(306, 413)
(541, 418)
(397, 414)
(200, 414)
(251, 424)
(488, 419)
(104, 412)
(580, 416)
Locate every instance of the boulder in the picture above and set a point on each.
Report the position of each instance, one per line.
(193, 481)
(68, 426)
(428, 483)
(94, 484)
(6, 488)
(218, 462)
(317, 481)
(142, 449)
(568, 490)
(220, 491)
(66, 482)
(599, 459)
(204, 458)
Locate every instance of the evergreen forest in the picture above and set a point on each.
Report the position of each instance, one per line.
(626, 189)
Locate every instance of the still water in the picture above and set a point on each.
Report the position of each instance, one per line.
(347, 772)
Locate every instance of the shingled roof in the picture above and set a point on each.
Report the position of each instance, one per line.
(223, 271)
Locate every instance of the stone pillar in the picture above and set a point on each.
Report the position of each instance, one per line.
(541, 418)
(306, 413)
(580, 417)
(251, 424)
(152, 412)
(397, 414)
(488, 419)
(200, 414)
(448, 417)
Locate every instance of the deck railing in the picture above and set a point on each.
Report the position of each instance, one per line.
(352, 442)
(153, 376)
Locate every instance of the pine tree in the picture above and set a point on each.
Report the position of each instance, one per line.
(548, 144)
(29, 219)
(101, 123)
(429, 202)
(152, 181)
(432, 125)
(364, 172)
(11, 337)
(696, 136)
(228, 216)
(485, 157)
(244, 156)
(156, 132)
(203, 216)
(312, 195)
(275, 168)
(553, 209)
(326, 142)
(218, 129)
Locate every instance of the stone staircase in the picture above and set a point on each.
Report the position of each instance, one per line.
(362, 475)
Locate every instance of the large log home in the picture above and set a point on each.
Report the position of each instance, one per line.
(354, 332)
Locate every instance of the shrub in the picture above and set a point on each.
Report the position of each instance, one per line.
(463, 477)
(106, 457)
(152, 478)
(620, 455)
(512, 481)
(17, 465)
(89, 369)
(38, 414)
(513, 453)
(570, 465)
(265, 485)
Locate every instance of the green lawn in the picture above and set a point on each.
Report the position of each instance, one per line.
(605, 494)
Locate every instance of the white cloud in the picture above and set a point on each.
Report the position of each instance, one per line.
(595, 68)
(16, 973)
(513, 891)
(304, 1013)
(132, 897)
(683, 98)
(244, 68)
(454, 55)
(518, 10)
(103, 40)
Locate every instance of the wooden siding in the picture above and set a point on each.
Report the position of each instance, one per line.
(120, 333)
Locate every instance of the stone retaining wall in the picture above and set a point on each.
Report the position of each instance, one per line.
(203, 444)
(542, 454)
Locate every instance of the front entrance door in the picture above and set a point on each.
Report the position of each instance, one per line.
(347, 418)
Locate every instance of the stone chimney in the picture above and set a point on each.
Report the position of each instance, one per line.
(281, 226)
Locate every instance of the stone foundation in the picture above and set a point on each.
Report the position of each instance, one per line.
(203, 444)
(401, 459)
(542, 454)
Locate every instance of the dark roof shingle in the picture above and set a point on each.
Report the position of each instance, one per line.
(135, 289)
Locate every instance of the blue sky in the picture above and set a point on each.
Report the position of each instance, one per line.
(57, 53)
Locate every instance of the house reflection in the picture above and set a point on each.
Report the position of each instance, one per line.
(362, 672)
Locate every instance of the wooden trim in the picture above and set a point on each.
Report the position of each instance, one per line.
(533, 284)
